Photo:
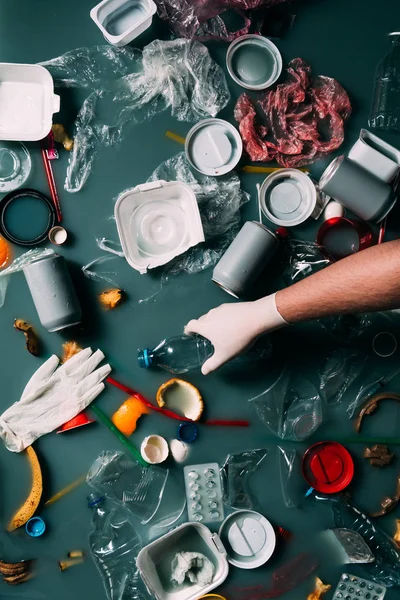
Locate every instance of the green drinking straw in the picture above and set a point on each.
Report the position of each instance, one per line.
(122, 438)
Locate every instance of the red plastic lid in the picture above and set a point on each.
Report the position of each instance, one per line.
(328, 467)
(78, 421)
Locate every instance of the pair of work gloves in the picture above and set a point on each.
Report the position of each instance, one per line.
(53, 396)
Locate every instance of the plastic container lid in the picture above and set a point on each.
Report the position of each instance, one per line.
(35, 527)
(213, 147)
(156, 222)
(254, 62)
(249, 539)
(15, 165)
(328, 467)
(288, 197)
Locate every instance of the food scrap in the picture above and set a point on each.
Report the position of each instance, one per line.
(320, 590)
(396, 537)
(182, 397)
(32, 340)
(71, 562)
(5, 253)
(61, 136)
(110, 299)
(69, 350)
(75, 554)
(15, 573)
(378, 455)
(388, 504)
(28, 508)
(294, 112)
(128, 414)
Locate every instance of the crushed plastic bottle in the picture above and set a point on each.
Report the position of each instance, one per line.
(114, 545)
(385, 110)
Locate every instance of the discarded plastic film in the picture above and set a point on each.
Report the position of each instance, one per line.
(139, 489)
(236, 472)
(367, 390)
(292, 482)
(129, 87)
(295, 111)
(338, 372)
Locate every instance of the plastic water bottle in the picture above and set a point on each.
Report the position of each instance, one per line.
(184, 353)
(385, 111)
(177, 354)
(115, 545)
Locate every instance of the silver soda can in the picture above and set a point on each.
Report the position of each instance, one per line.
(247, 256)
(53, 293)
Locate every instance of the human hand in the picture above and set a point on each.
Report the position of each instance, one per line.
(52, 397)
(231, 328)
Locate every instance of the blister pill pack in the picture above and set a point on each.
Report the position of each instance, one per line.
(351, 587)
(204, 493)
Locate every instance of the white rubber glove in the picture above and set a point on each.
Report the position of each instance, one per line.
(53, 397)
(231, 328)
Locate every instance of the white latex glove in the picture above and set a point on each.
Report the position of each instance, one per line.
(53, 397)
(231, 328)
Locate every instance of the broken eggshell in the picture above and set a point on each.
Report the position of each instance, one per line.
(182, 397)
(179, 450)
(154, 449)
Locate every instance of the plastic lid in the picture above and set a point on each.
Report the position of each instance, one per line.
(213, 147)
(254, 62)
(288, 197)
(144, 358)
(249, 539)
(35, 527)
(328, 467)
(15, 165)
(187, 432)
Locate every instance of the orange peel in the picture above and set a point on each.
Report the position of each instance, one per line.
(128, 414)
(182, 397)
(319, 591)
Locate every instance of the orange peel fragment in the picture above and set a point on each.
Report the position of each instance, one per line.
(128, 414)
(182, 397)
(320, 590)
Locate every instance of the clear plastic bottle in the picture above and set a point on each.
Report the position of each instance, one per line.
(385, 110)
(177, 354)
(115, 545)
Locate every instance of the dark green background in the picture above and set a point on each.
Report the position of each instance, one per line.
(344, 39)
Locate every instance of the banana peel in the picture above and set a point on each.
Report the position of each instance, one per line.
(15, 573)
(28, 508)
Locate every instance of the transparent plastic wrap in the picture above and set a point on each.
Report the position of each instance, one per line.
(124, 481)
(129, 87)
(235, 473)
(219, 200)
(293, 486)
(202, 20)
(17, 265)
(291, 407)
(368, 389)
(385, 568)
(338, 372)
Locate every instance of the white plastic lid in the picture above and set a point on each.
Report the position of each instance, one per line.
(157, 221)
(248, 538)
(288, 197)
(213, 147)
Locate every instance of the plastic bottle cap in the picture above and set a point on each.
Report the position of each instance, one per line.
(187, 432)
(328, 467)
(35, 527)
(144, 358)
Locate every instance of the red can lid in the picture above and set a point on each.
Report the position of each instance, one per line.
(328, 467)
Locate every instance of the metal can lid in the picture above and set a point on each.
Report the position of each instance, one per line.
(328, 467)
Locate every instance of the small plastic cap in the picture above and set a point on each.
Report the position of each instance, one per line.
(144, 358)
(187, 432)
(35, 527)
(94, 499)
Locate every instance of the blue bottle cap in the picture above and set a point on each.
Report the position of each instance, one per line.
(144, 358)
(187, 432)
(94, 499)
(35, 527)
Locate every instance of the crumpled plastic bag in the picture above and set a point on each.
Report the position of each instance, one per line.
(235, 473)
(339, 370)
(201, 19)
(129, 87)
(220, 200)
(295, 112)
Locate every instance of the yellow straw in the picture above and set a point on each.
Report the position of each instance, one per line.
(173, 136)
(65, 490)
(254, 169)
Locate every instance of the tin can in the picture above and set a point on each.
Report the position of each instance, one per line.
(357, 189)
(53, 293)
(247, 256)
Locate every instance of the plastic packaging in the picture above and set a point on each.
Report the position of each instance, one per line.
(387, 554)
(202, 20)
(122, 21)
(292, 483)
(367, 390)
(235, 473)
(204, 493)
(114, 545)
(353, 588)
(385, 110)
(353, 548)
(129, 484)
(338, 372)
(129, 87)
(18, 265)
(291, 408)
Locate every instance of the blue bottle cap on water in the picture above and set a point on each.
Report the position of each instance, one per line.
(144, 358)
(35, 527)
(187, 432)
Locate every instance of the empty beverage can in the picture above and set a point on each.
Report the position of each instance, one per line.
(53, 293)
(247, 256)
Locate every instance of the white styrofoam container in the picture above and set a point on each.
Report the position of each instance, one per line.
(27, 102)
(121, 21)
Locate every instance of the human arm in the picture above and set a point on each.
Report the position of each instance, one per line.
(364, 282)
